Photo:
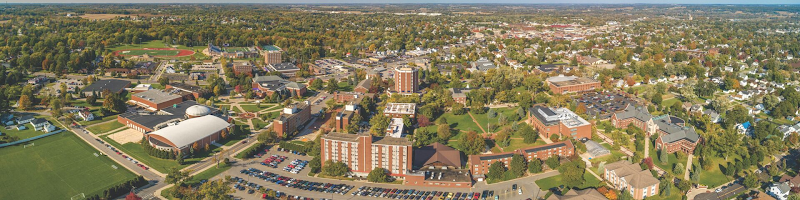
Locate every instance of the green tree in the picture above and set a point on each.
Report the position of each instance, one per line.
(529, 135)
(572, 173)
(678, 169)
(175, 175)
(517, 166)
(164, 81)
(378, 175)
(379, 124)
(751, 180)
(443, 131)
(25, 102)
(625, 195)
(218, 189)
(91, 99)
(335, 168)
(332, 86)
(535, 166)
(472, 143)
(496, 171)
(663, 156)
(552, 162)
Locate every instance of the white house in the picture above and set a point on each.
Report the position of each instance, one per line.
(86, 115)
(40, 124)
(779, 190)
(24, 119)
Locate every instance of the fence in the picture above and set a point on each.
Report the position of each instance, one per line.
(31, 139)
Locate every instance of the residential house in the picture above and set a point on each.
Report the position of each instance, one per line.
(25, 119)
(86, 115)
(779, 190)
(41, 124)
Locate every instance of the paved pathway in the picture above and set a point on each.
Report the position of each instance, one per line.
(647, 147)
(688, 167)
(476, 122)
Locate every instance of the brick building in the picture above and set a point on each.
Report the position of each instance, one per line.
(560, 121)
(479, 164)
(406, 80)
(363, 152)
(264, 86)
(155, 99)
(243, 67)
(460, 94)
(629, 177)
(292, 118)
(363, 86)
(674, 136)
(568, 84)
(639, 116)
(191, 92)
(272, 54)
(343, 119)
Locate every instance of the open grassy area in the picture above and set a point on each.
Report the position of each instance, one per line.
(669, 102)
(484, 118)
(555, 181)
(714, 176)
(154, 44)
(103, 128)
(259, 124)
(98, 119)
(56, 167)
(671, 161)
(674, 194)
(22, 134)
(518, 144)
(346, 87)
(204, 175)
(254, 108)
(136, 151)
(139, 52)
(461, 122)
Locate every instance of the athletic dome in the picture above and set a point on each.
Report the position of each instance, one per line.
(197, 111)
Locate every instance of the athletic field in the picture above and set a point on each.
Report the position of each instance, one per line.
(56, 167)
(155, 52)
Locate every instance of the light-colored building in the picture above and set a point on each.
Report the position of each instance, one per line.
(398, 110)
(629, 177)
(560, 121)
(185, 134)
(569, 84)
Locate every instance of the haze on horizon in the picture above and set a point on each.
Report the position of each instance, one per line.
(426, 1)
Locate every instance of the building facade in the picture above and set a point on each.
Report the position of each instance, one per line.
(560, 121)
(363, 152)
(406, 80)
(292, 118)
(674, 136)
(479, 164)
(398, 110)
(569, 84)
(638, 116)
(629, 177)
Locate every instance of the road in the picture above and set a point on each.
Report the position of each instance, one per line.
(527, 184)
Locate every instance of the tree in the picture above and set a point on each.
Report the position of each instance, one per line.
(458, 109)
(572, 173)
(529, 135)
(443, 131)
(678, 169)
(663, 156)
(378, 175)
(625, 195)
(379, 124)
(335, 168)
(496, 171)
(473, 144)
(332, 86)
(164, 81)
(535, 166)
(517, 165)
(91, 99)
(751, 180)
(175, 175)
(218, 189)
(552, 162)
(24, 102)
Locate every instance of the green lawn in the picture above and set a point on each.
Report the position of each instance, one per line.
(254, 108)
(674, 194)
(518, 144)
(103, 128)
(136, 151)
(204, 175)
(259, 124)
(98, 119)
(57, 167)
(614, 154)
(714, 176)
(555, 181)
(483, 118)
(236, 109)
(671, 162)
(27, 133)
(139, 52)
(461, 122)
(345, 87)
(669, 102)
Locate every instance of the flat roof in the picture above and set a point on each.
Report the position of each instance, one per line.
(400, 108)
(271, 48)
(113, 85)
(156, 96)
(562, 80)
(396, 127)
(191, 130)
(151, 120)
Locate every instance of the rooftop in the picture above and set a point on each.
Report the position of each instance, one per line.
(562, 80)
(156, 96)
(632, 173)
(400, 108)
(191, 130)
(283, 66)
(395, 128)
(154, 119)
(112, 85)
(270, 48)
(550, 117)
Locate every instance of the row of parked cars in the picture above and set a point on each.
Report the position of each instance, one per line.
(123, 155)
(297, 183)
(273, 161)
(421, 195)
(291, 151)
(295, 166)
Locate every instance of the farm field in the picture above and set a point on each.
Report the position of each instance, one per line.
(56, 167)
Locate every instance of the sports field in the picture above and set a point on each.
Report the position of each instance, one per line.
(56, 167)
(156, 52)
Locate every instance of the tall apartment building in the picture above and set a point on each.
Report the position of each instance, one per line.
(406, 80)
(272, 54)
(560, 121)
(292, 118)
(479, 164)
(568, 84)
(363, 152)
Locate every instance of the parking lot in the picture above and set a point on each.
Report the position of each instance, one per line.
(502, 190)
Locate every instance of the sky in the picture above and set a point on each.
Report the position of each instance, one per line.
(422, 1)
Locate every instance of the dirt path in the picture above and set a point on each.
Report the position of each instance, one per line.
(476, 122)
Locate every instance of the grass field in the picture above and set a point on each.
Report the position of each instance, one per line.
(103, 128)
(27, 133)
(671, 161)
(555, 181)
(56, 167)
(461, 122)
(136, 151)
(139, 52)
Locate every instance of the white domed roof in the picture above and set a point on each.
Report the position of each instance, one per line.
(197, 111)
